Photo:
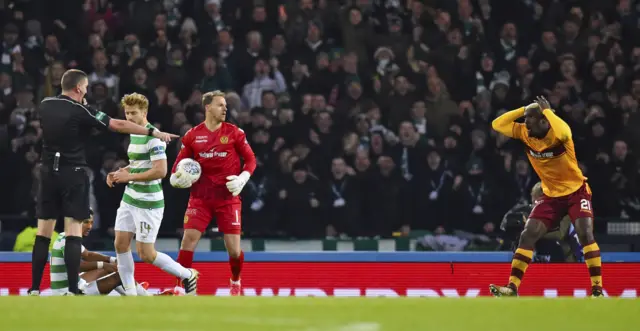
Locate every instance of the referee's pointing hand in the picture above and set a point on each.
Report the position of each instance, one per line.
(166, 137)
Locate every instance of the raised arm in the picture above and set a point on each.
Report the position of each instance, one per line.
(506, 124)
(101, 120)
(122, 126)
(560, 128)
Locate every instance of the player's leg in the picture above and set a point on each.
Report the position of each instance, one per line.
(188, 276)
(75, 207)
(93, 288)
(236, 255)
(126, 264)
(591, 251)
(48, 210)
(73, 251)
(125, 228)
(196, 220)
(40, 253)
(236, 261)
(112, 282)
(534, 229)
(102, 286)
(148, 224)
(148, 254)
(141, 288)
(88, 280)
(564, 239)
(190, 240)
(541, 218)
(108, 283)
(581, 213)
(229, 222)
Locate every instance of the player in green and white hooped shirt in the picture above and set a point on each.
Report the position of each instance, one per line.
(142, 205)
(98, 272)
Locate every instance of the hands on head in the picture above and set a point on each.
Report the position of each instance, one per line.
(543, 103)
(540, 103)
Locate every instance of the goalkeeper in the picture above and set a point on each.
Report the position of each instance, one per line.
(219, 147)
(559, 244)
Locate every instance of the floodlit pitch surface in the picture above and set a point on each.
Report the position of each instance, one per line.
(316, 314)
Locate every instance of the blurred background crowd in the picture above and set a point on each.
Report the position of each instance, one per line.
(367, 117)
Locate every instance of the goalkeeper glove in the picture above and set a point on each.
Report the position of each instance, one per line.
(178, 181)
(236, 183)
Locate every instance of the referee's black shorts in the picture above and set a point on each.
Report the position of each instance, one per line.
(63, 193)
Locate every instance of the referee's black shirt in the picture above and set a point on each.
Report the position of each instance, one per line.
(66, 128)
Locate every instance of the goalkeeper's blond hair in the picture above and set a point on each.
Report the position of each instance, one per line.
(208, 97)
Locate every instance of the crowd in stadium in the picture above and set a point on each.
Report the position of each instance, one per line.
(367, 117)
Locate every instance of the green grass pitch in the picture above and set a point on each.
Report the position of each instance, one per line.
(315, 314)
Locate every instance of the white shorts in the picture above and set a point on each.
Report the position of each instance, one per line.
(145, 223)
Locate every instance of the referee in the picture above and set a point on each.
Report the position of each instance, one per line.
(64, 182)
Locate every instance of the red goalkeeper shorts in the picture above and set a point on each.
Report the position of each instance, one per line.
(200, 213)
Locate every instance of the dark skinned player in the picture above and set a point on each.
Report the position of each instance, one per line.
(550, 149)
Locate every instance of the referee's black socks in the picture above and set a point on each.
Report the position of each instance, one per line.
(39, 257)
(72, 256)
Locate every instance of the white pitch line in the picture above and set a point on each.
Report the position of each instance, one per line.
(265, 321)
(360, 327)
(363, 326)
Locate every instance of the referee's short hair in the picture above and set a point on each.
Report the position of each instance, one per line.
(72, 78)
(208, 97)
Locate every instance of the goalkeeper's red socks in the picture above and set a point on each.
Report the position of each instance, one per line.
(236, 266)
(185, 258)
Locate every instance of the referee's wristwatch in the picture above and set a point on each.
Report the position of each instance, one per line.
(151, 131)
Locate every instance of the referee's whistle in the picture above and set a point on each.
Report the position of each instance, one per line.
(56, 161)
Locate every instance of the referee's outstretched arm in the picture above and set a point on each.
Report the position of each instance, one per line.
(123, 126)
(64, 180)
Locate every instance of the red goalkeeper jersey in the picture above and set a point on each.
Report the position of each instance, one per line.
(219, 153)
